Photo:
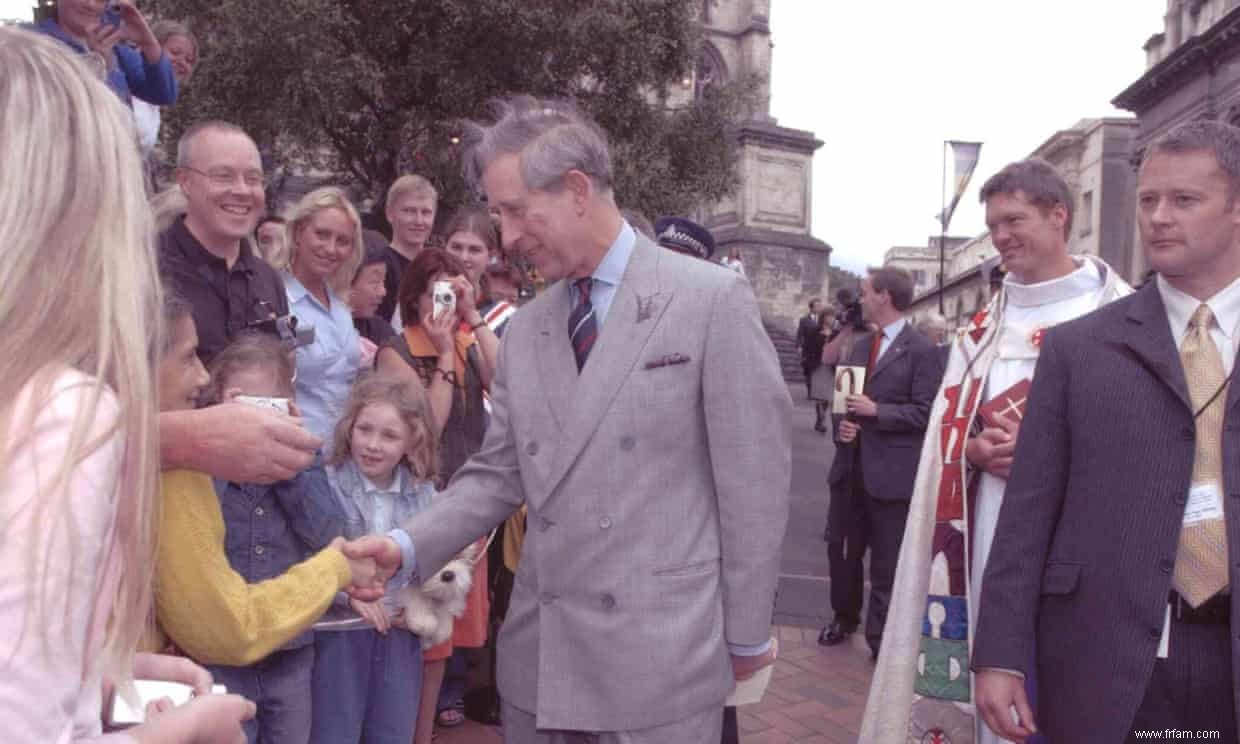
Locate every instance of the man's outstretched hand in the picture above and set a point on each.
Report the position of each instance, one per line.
(387, 559)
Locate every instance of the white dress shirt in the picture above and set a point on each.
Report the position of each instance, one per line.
(1226, 308)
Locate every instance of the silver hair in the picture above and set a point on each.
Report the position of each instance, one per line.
(932, 321)
(550, 137)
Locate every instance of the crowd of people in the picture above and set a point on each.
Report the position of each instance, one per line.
(248, 432)
(235, 443)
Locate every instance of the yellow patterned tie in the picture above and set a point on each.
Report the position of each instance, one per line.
(1201, 560)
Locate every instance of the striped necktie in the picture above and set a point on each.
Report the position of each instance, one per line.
(1201, 560)
(582, 325)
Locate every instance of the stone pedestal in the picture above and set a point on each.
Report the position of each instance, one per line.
(769, 221)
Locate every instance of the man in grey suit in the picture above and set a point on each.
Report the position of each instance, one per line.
(878, 445)
(639, 413)
(1120, 524)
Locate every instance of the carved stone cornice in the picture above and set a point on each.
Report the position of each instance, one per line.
(1195, 56)
(775, 137)
(762, 236)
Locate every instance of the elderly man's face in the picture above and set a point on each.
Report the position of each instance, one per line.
(223, 184)
(542, 226)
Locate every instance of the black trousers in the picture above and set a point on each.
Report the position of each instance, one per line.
(1191, 689)
(860, 522)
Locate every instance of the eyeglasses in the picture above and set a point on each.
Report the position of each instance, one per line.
(228, 176)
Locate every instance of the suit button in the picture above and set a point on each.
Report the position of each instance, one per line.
(258, 550)
(627, 443)
(604, 523)
(531, 449)
(546, 598)
(1188, 435)
(1155, 633)
(544, 524)
(259, 511)
(609, 602)
(1165, 566)
(1181, 500)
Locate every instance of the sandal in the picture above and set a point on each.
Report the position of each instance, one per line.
(450, 717)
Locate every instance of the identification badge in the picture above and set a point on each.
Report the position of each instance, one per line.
(1205, 502)
(1165, 644)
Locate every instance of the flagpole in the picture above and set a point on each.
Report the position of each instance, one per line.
(943, 229)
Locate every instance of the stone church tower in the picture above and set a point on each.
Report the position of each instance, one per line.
(768, 218)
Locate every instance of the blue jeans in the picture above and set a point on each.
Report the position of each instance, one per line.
(280, 686)
(452, 693)
(366, 686)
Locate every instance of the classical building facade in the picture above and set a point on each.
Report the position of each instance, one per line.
(922, 261)
(1192, 72)
(769, 217)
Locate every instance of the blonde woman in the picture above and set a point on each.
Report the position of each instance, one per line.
(78, 451)
(325, 249)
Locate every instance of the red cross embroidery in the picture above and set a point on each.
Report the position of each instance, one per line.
(936, 737)
(1037, 337)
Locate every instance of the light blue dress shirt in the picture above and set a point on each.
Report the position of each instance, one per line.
(608, 274)
(326, 368)
(889, 334)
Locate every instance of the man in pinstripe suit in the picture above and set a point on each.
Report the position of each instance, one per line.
(1122, 516)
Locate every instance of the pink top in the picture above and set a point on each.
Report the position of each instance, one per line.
(52, 628)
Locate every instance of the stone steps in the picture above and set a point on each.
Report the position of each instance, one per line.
(789, 358)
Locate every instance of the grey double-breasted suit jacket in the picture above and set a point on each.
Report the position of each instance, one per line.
(657, 485)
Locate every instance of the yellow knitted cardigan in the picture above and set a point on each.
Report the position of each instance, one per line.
(207, 608)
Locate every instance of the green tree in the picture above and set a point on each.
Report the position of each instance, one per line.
(366, 90)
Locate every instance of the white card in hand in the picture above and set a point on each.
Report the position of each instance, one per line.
(150, 690)
(750, 691)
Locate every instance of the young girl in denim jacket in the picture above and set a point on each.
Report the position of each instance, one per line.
(367, 680)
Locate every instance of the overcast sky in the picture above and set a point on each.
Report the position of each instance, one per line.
(884, 89)
(884, 84)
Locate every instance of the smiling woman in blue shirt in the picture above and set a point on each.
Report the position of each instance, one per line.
(325, 248)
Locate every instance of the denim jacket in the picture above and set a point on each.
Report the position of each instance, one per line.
(271, 528)
(368, 511)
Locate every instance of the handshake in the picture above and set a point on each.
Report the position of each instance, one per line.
(373, 560)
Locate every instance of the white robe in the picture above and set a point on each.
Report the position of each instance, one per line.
(1030, 308)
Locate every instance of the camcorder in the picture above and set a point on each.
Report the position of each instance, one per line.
(850, 313)
(291, 333)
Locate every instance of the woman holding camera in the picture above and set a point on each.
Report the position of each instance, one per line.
(325, 248)
(449, 347)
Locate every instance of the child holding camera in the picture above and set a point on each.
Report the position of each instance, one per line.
(231, 583)
(367, 679)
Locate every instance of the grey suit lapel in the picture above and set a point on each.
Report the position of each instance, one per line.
(1148, 335)
(897, 349)
(634, 313)
(555, 354)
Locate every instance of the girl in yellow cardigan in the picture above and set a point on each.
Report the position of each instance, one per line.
(205, 607)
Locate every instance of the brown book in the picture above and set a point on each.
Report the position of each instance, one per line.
(1009, 404)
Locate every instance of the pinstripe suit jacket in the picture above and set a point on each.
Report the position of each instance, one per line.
(657, 495)
(1087, 536)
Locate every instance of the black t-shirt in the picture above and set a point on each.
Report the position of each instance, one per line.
(396, 265)
(226, 301)
(374, 328)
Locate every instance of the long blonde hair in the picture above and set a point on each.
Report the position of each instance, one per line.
(328, 197)
(78, 289)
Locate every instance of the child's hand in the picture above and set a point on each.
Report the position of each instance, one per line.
(362, 571)
(373, 613)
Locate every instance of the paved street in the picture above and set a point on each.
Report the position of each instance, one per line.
(817, 694)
